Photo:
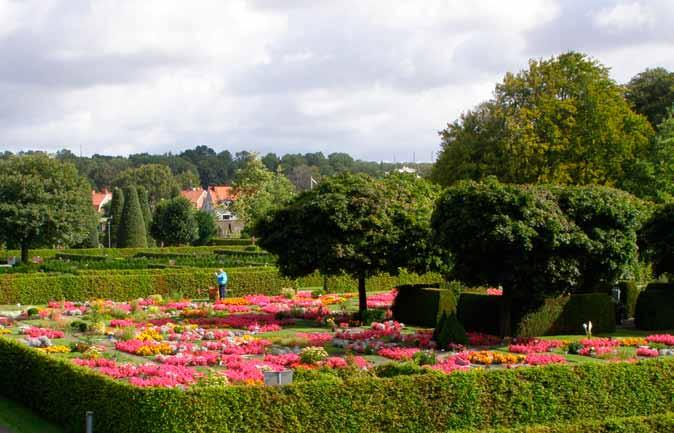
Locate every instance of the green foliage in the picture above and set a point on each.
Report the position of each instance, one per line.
(563, 120)
(537, 241)
(347, 224)
(656, 240)
(116, 210)
(155, 178)
(417, 305)
(144, 200)
(655, 307)
(206, 227)
(132, 232)
(230, 241)
(43, 201)
(125, 284)
(566, 315)
(433, 403)
(629, 293)
(449, 330)
(651, 93)
(479, 312)
(174, 222)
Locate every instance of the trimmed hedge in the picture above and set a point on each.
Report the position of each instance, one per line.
(418, 304)
(477, 399)
(629, 293)
(81, 257)
(111, 252)
(566, 315)
(661, 423)
(479, 312)
(125, 284)
(655, 307)
(230, 241)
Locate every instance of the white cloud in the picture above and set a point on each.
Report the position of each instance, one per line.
(374, 78)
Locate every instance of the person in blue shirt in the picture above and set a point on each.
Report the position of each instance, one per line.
(222, 283)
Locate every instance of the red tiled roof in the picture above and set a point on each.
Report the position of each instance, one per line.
(195, 195)
(100, 198)
(222, 193)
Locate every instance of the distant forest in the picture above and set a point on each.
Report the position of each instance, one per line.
(203, 166)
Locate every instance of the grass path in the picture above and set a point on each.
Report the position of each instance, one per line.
(15, 418)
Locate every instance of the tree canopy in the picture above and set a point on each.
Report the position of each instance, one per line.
(651, 93)
(656, 240)
(562, 120)
(174, 222)
(348, 224)
(157, 180)
(43, 201)
(536, 241)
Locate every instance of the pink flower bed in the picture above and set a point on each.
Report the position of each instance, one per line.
(666, 339)
(535, 346)
(382, 300)
(398, 353)
(317, 338)
(599, 342)
(480, 339)
(494, 291)
(202, 358)
(544, 359)
(148, 375)
(122, 323)
(35, 332)
(647, 352)
(453, 363)
(597, 350)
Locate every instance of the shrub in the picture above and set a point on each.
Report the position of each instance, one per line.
(81, 257)
(230, 241)
(132, 231)
(629, 293)
(449, 330)
(417, 304)
(655, 307)
(479, 312)
(433, 402)
(566, 315)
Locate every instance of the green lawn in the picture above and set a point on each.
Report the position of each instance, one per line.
(17, 419)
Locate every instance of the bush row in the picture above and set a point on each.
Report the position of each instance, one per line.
(111, 252)
(477, 399)
(420, 305)
(660, 423)
(125, 284)
(655, 307)
(230, 241)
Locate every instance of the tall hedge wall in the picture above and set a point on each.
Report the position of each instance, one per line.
(428, 403)
(125, 284)
(655, 307)
(419, 304)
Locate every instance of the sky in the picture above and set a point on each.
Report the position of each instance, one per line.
(375, 78)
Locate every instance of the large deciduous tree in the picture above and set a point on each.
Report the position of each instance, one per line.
(348, 224)
(651, 93)
(43, 201)
(155, 178)
(656, 240)
(537, 241)
(562, 120)
(174, 222)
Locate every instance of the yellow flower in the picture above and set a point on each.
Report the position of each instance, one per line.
(56, 349)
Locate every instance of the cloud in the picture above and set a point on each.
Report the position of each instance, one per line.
(376, 79)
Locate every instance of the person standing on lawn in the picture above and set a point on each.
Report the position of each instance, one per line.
(222, 283)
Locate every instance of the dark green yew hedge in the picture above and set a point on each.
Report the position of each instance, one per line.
(125, 284)
(655, 307)
(478, 400)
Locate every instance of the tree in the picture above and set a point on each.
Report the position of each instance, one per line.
(651, 93)
(174, 222)
(536, 241)
(301, 176)
(187, 180)
(656, 240)
(132, 233)
(207, 227)
(144, 200)
(562, 120)
(259, 191)
(42, 201)
(347, 224)
(156, 179)
(116, 209)
(271, 161)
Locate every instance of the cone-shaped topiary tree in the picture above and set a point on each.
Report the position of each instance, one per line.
(144, 199)
(132, 232)
(116, 209)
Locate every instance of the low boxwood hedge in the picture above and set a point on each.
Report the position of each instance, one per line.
(477, 399)
(111, 252)
(125, 284)
(230, 241)
(660, 423)
(655, 307)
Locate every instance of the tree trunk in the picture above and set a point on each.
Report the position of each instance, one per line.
(24, 253)
(362, 296)
(505, 316)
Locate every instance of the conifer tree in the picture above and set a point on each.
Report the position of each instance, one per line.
(116, 209)
(132, 233)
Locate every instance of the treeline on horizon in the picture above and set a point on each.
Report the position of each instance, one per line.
(203, 166)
